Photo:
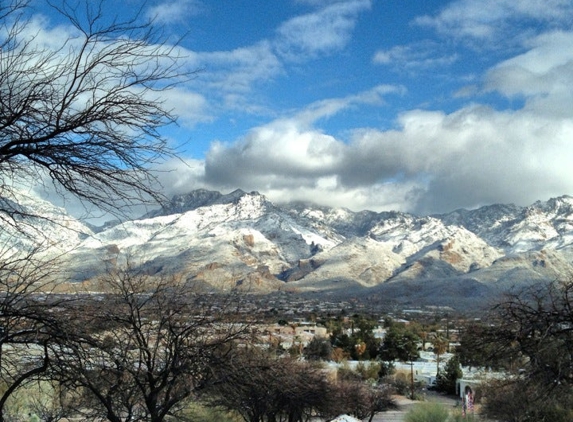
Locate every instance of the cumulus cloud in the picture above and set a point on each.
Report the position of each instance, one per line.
(468, 158)
(433, 162)
(273, 154)
(287, 151)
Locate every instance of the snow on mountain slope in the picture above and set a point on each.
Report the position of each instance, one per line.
(245, 234)
(36, 224)
(520, 229)
(365, 260)
(247, 211)
(187, 202)
(242, 239)
(413, 238)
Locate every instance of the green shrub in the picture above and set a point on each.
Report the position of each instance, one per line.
(458, 416)
(368, 371)
(452, 372)
(197, 412)
(427, 412)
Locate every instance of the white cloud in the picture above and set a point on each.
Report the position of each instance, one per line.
(190, 107)
(287, 151)
(322, 32)
(415, 56)
(229, 78)
(328, 108)
(431, 162)
(546, 68)
(178, 175)
(380, 197)
(174, 11)
(277, 153)
(487, 20)
(289, 158)
(236, 71)
(471, 157)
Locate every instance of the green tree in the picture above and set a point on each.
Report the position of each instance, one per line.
(318, 349)
(440, 344)
(446, 381)
(361, 343)
(401, 344)
(479, 348)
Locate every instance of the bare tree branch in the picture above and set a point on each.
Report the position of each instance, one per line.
(144, 349)
(89, 112)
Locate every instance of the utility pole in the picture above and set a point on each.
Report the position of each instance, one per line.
(411, 378)
(2, 332)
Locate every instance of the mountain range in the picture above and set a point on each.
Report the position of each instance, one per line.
(242, 240)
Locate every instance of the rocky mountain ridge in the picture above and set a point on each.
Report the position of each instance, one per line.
(242, 240)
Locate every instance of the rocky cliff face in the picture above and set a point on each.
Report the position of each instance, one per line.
(243, 240)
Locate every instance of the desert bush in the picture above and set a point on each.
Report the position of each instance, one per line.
(369, 370)
(198, 412)
(458, 416)
(427, 412)
(401, 383)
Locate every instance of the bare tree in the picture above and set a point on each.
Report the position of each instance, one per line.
(530, 334)
(28, 322)
(87, 113)
(265, 388)
(49, 401)
(142, 350)
(362, 400)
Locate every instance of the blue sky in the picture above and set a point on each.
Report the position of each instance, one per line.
(418, 106)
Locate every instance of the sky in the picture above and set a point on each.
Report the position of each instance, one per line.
(415, 106)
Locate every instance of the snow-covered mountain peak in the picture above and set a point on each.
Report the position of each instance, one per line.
(562, 205)
(200, 198)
